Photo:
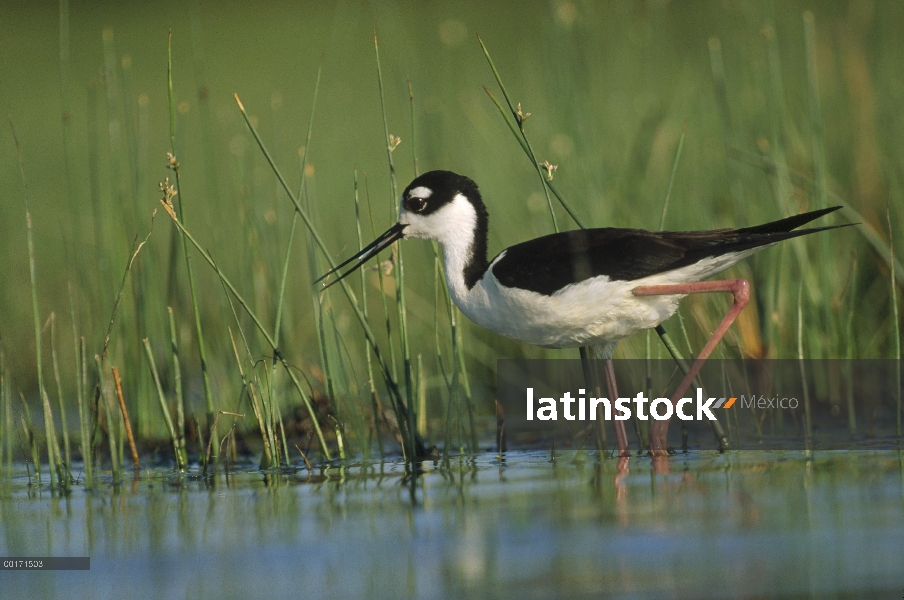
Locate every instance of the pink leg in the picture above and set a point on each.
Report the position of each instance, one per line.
(621, 438)
(740, 289)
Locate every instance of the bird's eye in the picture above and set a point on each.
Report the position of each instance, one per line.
(416, 204)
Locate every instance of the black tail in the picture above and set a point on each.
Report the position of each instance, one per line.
(784, 225)
(698, 245)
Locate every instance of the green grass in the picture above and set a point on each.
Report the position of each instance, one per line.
(771, 110)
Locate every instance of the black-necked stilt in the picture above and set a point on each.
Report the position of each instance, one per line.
(589, 287)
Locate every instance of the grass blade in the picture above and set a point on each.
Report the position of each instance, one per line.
(67, 463)
(136, 463)
(32, 273)
(896, 323)
(808, 420)
(519, 116)
(668, 193)
(177, 384)
(87, 443)
(304, 162)
(164, 408)
(170, 192)
(374, 400)
(196, 311)
(267, 461)
(387, 375)
(5, 433)
(850, 214)
(717, 66)
(111, 416)
(7, 413)
(391, 144)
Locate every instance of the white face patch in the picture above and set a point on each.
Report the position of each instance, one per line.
(420, 192)
(454, 223)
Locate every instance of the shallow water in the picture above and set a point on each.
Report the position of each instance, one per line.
(743, 524)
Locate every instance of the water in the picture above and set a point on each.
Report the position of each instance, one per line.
(744, 524)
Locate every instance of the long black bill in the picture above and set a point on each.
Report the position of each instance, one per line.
(394, 233)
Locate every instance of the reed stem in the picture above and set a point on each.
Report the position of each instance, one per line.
(177, 385)
(267, 461)
(64, 425)
(808, 422)
(111, 416)
(179, 457)
(8, 426)
(370, 368)
(29, 236)
(186, 250)
(387, 375)
(87, 444)
(896, 323)
(228, 284)
(391, 145)
(136, 463)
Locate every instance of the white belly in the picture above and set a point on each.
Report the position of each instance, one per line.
(589, 313)
(592, 312)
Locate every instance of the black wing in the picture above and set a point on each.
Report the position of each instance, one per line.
(547, 264)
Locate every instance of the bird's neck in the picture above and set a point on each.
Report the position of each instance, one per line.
(465, 251)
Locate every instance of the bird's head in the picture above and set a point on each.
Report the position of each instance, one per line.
(439, 205)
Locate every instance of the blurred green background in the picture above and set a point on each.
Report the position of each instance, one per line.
(609, 85)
